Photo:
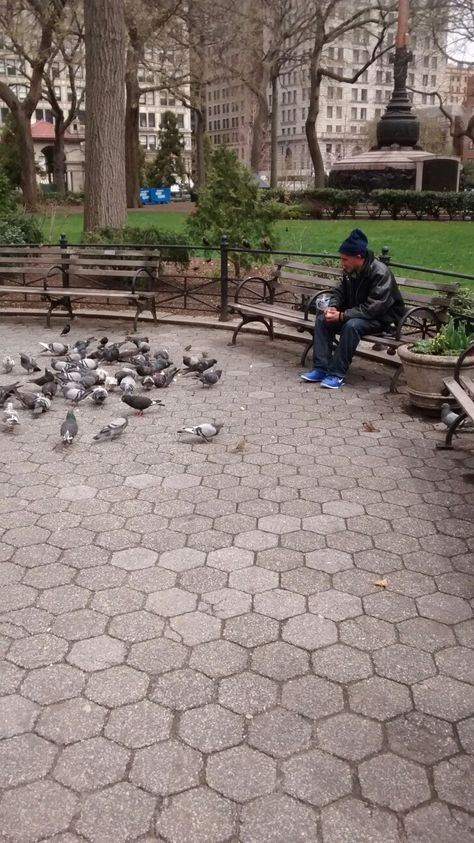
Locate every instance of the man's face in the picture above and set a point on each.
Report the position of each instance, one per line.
(352, 263)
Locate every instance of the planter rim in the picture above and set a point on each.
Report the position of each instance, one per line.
(405, 353)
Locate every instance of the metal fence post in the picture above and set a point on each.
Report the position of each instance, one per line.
(385, 256)
(63, 245)
(224, 251)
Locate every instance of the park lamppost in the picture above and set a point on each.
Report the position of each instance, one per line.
(399, 125)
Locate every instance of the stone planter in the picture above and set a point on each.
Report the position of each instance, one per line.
(425, 374)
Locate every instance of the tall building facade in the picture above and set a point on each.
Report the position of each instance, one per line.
(152, 105)
(348, 113)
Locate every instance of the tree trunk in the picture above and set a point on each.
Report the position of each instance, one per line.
(105, 41)
(132, 129)
(260, 122)
(313, 113)
(200, 148)
(59, 156)
(29, 185)
(274, 135)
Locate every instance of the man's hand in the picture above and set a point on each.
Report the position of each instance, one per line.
(331, 314)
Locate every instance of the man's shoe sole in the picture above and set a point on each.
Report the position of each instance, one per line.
(326, 386)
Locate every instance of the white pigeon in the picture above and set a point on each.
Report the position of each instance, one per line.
(56, 348)
(99, 395)
(10, 418)
(8, 364)
(110, 383)
(448, 416)
(127, 384)
(205, 430)
(112, 430)
(42, 405)
(101, 376)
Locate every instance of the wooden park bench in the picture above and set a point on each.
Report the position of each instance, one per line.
(289, 296)
(63, 276)
(461, 387)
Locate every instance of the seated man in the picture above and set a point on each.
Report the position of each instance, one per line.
(366, 301)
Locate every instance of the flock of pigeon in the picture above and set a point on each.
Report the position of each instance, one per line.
(77, 372)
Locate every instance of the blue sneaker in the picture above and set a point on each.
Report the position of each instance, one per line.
(314, 376)
(332, 382)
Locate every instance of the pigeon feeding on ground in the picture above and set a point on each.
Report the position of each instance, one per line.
(209, 378)
(201, 366)
(148, 383)
(69, 428)
(163, 379)
(42, 405)
(48, 376)
(127, 385)
(7, 391)
(10, 418)
(448, 415)
(8, 364)
(27, 399)
(65, 330)
(29, 363)
(112, 430)
(49, 389)
(74, 392)
(140, 403)
(205, 430)
(99, 395)
(56, 348)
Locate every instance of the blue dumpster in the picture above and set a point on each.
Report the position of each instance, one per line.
(160, 195)
(145, 198)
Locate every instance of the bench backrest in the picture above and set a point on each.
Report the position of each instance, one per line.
(34, 256)
(303, 279)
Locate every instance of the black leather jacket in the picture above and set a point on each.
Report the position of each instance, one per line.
(371, 293)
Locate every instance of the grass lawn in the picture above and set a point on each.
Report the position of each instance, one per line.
(441, 245)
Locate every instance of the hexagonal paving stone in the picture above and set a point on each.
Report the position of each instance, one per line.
(115, 601)
(97, 653)
(367, 633)
(349, 736)
(279, 524)
(253, 579)
(36, 811)
(157, 655)
(230, 558)
(211, 728)
(403, 664)
(446, 698)
(196, 627)
(10, 677)
(53, 684)
(280, 660)
(437, 824)
(351, 820)
(182, 689)
(466, 734)
(421, 738)
(227, 602)
(134, 559)
(136, 626)
(166, 768)
(213, 819)
(309, 632)
(241, 773)
(457, 662)
(251, 630)
(393, 782)
(379, 698)
(341, 663)
(117, 686)
(24, 758)
(305, 581)
(149, 580)
(390, 607)
(218, 658)
(139, 724)
(118, 813)
(171, 602)
(278, 818)
(91, 764)
(182, 559)
(279, 733)
(316, 777)
(454, 781)
(444, 608)
(83, 623)
(313, 697)
(279, 604)
(426, 634)
(37, 650)
(335, 605)
(247, 693)
(70, 721)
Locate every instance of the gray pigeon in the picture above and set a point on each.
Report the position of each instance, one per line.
(48, 376)
(88, 363)
(99, 395)
(148, 383)
(69, 428)
(209, 378)
(112, 430)
(205, 430)
(201, 365)
(59, 366)
(42, 405)
(56, 348)
(29, 363)
(49, 389)
(8, 364)
(127, 385)
(140, 403)
(448, 416)
(27, 399)
(125, 373)
(74, 392)
(163, 379)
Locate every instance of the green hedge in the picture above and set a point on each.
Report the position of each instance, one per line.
(146, 237)
(334, 203)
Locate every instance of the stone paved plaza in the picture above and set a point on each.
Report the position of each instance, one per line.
(264, 639)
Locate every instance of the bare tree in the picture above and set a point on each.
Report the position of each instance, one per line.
(332, 23)
(452, 25)
(105, 43)
(31, 26)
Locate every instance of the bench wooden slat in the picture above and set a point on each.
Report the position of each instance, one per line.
(99, 273)
(68, 292)
(467, 384)
(461, 396)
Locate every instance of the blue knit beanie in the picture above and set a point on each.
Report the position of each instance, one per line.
(355, 244)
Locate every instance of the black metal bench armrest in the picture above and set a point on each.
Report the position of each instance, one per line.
(310, 301)
(140, 271)
(411, 311)
(462, 357)
(267, 287)
(51, 271)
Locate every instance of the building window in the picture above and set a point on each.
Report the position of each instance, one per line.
(151, 121)
(150, 98)
(11, 67)
(142, 120)
(338, 129)
(434, 63)
(355, 56)
(328, 148)
(180, 121)
(363, 114)
(329, 111)
(339, 112)
(363, 95)
(151, 141)
(164, 98)
(39, 114)
(330, 93)
(355, 94)
(329, 129)
(425, 80)
(388, 77)
(378, 112)
(378, 95)
(339, 93)
(426, 61)
(353, 113)
(143, 141)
